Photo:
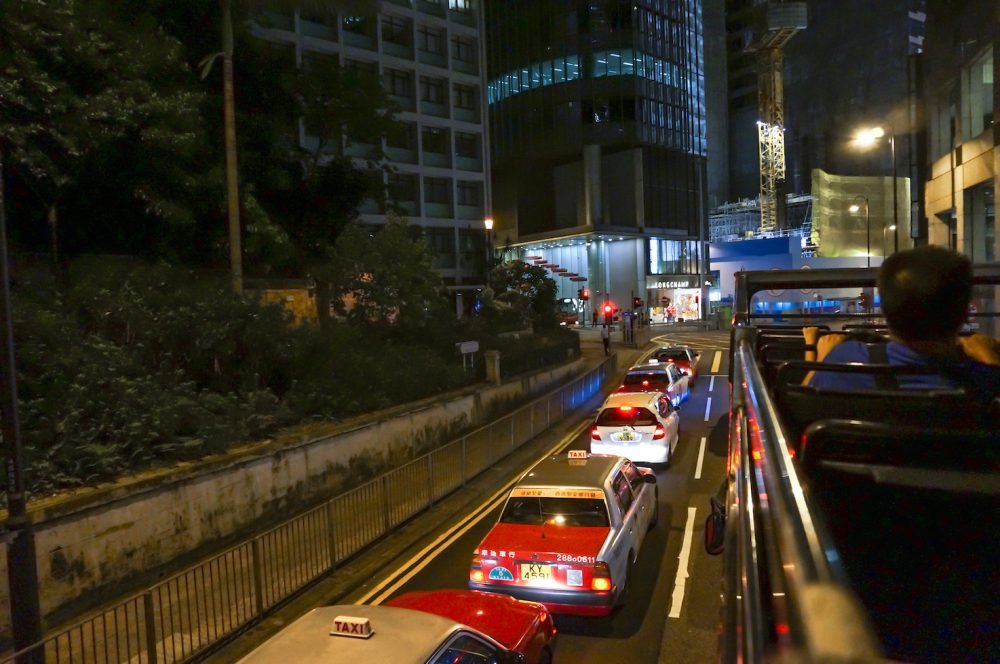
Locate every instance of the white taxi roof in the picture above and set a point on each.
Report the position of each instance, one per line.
(398, 635)
(634, 399)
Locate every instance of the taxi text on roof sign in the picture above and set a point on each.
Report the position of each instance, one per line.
(578, 454)
(358, 628)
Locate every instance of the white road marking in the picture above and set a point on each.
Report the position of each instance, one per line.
(711, 384)
(677, 599)
(701, 458)
(708, 407)
(446, 539)
(716, 362)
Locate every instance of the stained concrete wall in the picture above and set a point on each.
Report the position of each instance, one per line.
(95, 544)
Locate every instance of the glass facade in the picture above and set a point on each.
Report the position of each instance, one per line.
(587, 99)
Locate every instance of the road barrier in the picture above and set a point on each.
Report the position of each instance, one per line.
(189, 613)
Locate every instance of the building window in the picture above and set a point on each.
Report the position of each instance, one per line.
(467, 145)
(463, 49)
(460, 5)
(469, 193)
(396, 30)
(403, 187)
(465, 97)
(398, 83)
(359, 25)
(361, 69)
(437, 190)
(430, 40)
(435, 140)
(405, 137)
(431, 90)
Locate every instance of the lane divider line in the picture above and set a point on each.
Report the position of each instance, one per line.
(711, 383)
(716, 362)
(701, 458)
(708, 408)
(448, 537)
(677, 599)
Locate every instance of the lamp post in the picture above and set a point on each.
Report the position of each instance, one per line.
(854, 209)
(866, 138)
(488, 223)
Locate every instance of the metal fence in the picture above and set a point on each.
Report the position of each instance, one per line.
(180, 617)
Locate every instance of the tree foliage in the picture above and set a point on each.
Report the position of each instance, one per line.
(527, 289)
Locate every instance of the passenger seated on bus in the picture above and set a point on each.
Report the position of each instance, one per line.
(925, 295)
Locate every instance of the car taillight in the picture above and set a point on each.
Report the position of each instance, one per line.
(601, 581)
(594, 435)
(659, 433)
(475, 569)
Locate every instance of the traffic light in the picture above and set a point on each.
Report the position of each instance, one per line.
(608, 310)
(585, 294)
(636, 302)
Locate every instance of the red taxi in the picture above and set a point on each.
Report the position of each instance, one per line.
(684, 357)
(438, 627)
(569, 534)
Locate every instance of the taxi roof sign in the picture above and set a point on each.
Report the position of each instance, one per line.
(356, 628)
(578, 454)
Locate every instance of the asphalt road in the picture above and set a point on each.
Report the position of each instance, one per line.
(671, 617)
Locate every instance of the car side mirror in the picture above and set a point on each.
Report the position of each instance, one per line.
(649, 478)
(677, 409)
(715, 528)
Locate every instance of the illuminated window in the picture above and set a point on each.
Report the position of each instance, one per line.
(460, 5)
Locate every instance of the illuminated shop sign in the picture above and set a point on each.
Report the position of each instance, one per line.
(672, 281)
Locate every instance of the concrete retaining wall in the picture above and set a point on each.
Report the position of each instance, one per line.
(93, 544)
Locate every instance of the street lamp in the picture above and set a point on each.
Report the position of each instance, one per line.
(867, 137)
(854, 209)
(488, 223)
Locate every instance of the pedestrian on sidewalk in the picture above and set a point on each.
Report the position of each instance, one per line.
(606, 338)
(595, 317)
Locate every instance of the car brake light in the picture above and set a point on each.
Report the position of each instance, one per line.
(659, 433)
(601, 581)
(625, 409)
(645, 383)
(594, 434)
(475, 569)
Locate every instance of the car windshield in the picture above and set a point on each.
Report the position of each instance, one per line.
(675, 355)
(626, 416)
(654, 379)
(576, 512)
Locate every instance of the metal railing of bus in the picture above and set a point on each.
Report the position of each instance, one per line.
(197, 609)
(781, 591)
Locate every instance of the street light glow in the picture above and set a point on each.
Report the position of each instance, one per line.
(866, 137)
(854, 208)
(488, 222)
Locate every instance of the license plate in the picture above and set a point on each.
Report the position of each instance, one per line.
(535, 572)
(626, 436)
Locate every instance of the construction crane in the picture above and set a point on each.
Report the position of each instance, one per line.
(774, 23)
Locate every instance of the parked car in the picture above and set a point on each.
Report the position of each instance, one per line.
(569, 534)
(642, 426)
(439, 627)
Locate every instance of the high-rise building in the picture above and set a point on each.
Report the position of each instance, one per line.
(599, 141)
(429, 56)
(962, 112)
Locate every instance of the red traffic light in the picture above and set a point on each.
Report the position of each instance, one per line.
(607, 308)
(584, 293)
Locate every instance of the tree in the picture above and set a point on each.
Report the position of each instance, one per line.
(79, 84)
(384, 275)
(527, 289)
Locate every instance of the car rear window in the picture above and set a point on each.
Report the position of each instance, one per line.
(626, 416)
(534, 511)
(674, 355)
(655, 378)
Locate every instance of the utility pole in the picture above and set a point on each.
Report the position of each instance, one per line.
(22, 574)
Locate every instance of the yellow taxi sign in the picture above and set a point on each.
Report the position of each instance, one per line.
(555, 492)
(356, 628)
(578, 454)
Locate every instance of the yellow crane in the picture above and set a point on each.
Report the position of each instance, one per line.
(774, 23)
